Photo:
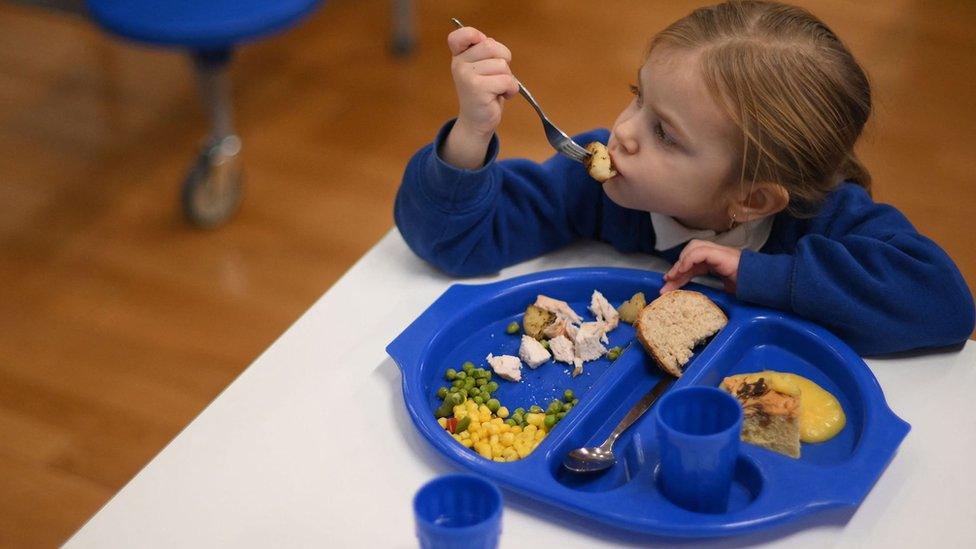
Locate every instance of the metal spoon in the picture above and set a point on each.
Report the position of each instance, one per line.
(598, 458)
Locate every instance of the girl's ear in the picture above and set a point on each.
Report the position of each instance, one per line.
(763, 199)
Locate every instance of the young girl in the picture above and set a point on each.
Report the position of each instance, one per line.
(735, 157)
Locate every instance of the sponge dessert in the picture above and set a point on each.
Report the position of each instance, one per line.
(771, 411)
(674, 324)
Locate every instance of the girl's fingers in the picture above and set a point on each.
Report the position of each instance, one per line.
(489, 67)
(676, 281)
(463, 39)
(485, 49)
(501, 84)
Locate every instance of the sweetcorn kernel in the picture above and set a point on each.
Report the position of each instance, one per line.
(467, 443)
(507, 439)
(510, 454)
(502, 412)
(442, 422)
(483, 448)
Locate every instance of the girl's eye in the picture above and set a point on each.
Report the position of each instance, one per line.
(636, 91)
(662, 135)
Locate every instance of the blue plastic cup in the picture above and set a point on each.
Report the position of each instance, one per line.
(458, 511)
(698, 431)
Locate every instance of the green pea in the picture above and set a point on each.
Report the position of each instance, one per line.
(612, 356)
(441, 393)
(458, 398)
(463, 392)
(481, 382)
(493, 405)
(512, 328)
(457, 383)
(462, 424)
(468, 383)
(568, 395)
(550, 421)
(554, 406)
(519, 418)
(575, 401)
(468, 366)
(511, 421)
(519, 411)
(535, 409)
(462, 375)
(568, 407)
(451, 374)
(479, 400)
(492, 386)
(560, 416)
(473, 392)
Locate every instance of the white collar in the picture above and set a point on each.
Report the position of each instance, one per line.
(751, 235)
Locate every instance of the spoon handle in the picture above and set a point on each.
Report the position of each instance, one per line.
(638, 409)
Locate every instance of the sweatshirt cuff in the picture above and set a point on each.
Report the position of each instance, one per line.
(765, 279)
(452, 188)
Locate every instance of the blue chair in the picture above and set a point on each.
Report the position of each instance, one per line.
(209, 29)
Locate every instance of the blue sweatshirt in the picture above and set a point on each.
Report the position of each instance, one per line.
(859, 268)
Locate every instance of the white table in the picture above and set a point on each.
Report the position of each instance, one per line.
(311, 445)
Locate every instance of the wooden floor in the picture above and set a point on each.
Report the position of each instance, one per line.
(118, 323)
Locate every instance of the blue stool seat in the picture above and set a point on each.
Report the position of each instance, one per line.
(198, 24)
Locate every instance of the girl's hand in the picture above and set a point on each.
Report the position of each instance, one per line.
(482, 78)
(702, 257)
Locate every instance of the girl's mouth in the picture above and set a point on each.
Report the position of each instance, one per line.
(613, 165)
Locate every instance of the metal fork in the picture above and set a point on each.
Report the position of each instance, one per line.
(557, 138)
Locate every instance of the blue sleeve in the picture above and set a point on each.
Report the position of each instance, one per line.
(472, 222)
(869, 277)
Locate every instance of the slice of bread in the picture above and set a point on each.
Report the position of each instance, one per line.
(671, 326)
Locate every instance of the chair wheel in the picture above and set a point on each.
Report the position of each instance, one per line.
(212, 190)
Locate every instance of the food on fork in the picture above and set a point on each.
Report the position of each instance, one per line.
(674, 324)
(771, 410)
(599, 164)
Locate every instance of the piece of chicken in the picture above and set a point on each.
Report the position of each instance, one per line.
(506, 366)
(532, 353)
(558, 307)
(604, 311)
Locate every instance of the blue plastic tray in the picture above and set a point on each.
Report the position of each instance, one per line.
(467, 322)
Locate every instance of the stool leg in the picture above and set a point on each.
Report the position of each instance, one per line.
(403, 27)
(212, 190)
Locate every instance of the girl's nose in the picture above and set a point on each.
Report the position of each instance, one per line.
(624, 135)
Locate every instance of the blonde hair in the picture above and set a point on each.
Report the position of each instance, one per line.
(791, 86)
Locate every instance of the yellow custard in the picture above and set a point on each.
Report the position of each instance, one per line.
(821, 416)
